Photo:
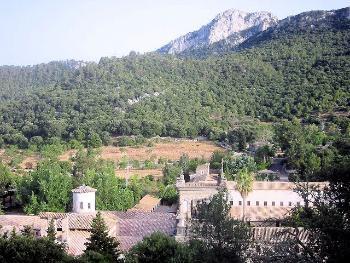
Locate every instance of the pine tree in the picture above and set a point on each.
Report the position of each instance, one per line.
(214, 235)
(100, 241)
(51, 232)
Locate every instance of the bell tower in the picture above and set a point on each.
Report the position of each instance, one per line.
(84, 199)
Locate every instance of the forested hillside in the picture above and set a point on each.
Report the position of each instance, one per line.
(293, 70)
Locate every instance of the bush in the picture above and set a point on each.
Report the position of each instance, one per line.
(169, 195)
(215, 160)
(170, 173)
(159, 247)
(148, 164)
(263, 165)
(18, 248)
(266, 177)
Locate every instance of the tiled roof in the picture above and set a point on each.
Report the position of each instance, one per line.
(135, 225)
(129, 227)
(79, 221)
(83, 189)
(278, 234)
(167, 209)
(8, 222)
(55, 215)
(140, 215)
(148, 203)
(76, 241)
(259, 213)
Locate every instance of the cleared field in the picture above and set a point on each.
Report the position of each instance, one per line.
(123, 173)
(19, 159)
(169, 150)
(30, 162)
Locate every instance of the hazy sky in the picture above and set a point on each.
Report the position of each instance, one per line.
(35, 31)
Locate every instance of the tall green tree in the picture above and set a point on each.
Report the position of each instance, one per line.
(51, 231)
(112, 193)
(48, 188)
(234, 164)
(7, 179)
(244, 185)
(100, 241)
(171, 172)
(215, 235)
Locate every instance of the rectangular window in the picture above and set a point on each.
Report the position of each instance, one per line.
(273, 203)
(281, 203)
(248, 203)
(257, 203)
(231, 202)
(81, 205)
(89, 206)
(290, 203)
(240, 202)
(265, 203)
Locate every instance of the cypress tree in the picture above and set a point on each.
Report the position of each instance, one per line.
(51, 232)
(101, 242)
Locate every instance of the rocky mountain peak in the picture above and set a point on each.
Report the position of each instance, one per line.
(231, 25)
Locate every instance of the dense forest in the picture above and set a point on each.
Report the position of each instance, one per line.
(299, 69)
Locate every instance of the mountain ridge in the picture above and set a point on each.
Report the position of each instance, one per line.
(237, 24)
(245, 38)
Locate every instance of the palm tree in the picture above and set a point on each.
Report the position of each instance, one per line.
(244, 185)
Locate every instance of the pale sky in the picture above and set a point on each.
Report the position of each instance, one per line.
(37, 31)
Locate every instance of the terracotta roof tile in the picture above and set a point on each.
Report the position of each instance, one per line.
(148, 203)
(167, 209)
(76, 241)
(277, 234)
(80, 220)
(129, 227)
(135, 225)
(9, 222)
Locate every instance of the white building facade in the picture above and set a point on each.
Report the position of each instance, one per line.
(267, 200)
(83, 199)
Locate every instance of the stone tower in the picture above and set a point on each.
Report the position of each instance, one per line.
(83, 199)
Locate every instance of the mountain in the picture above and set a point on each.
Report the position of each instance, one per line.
(299, 68)
(232, 26)
(250, 37)
(312, 22)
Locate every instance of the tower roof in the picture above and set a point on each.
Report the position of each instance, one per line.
(83, 189)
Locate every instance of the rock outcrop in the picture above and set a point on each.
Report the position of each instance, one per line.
(232, 25)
